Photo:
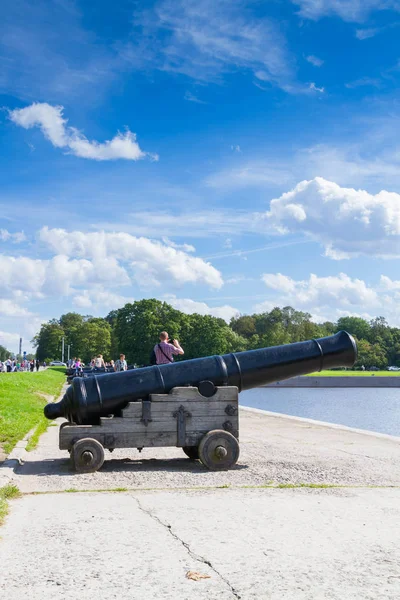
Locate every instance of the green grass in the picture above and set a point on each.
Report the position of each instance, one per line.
(21, 406)
(6, 493)
(355, 374)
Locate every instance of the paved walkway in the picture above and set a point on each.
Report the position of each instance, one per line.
(253, 542)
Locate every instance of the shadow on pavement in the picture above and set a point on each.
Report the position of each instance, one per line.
(62, 466)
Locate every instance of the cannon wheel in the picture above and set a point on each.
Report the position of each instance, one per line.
(218, 450)
(87, 455)
(192, 452)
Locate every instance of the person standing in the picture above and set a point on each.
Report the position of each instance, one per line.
(120, 364)
(165, 351)
(37, 365)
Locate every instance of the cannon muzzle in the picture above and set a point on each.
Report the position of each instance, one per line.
(86, 400)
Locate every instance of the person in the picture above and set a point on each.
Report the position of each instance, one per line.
(78, 366)
(165, 351)
(37, 365)
(8, 365)
(99, 362)
(32, 365)
(120, 364)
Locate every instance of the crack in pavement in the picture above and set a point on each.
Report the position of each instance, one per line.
(196, 557)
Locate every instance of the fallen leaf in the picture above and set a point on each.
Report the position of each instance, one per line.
(196, 576)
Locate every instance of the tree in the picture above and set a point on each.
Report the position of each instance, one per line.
(4, 353)
(357, 326)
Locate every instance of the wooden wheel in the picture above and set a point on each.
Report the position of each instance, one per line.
(87, 455)
(218, 450)
(191, 451)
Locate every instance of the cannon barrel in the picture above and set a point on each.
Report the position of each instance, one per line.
(86, 400)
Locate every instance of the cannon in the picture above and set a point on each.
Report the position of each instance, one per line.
(191, 404)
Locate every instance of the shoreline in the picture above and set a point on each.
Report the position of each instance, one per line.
(306, 420)
(343, 381)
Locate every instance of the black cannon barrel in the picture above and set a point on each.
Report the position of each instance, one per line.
(86, 400)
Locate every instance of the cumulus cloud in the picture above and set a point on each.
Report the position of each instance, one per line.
(191, 307)
(57, 276)
(150, 262)
(9, 308)
(100, 300)
(348, 10)
(55, 128)
(334, 296)
(15, 238)
(347, 222)
(317, 291)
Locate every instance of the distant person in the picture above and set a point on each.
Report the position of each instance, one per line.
(165, 351)
(120, 364)
(37, 365)
(8, 365)
(32, 365)
(99, 362)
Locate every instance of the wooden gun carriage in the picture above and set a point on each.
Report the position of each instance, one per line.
(206, 428)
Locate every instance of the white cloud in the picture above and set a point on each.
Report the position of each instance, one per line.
(347, 222)
(322, 291)
(348, 10)
(205, 40)
(277, 281)
(314, 60)
(9, 308)
(150, 262)
(331, 297)
(100, 300)
(190, 307)
(55, 128)
(365, 34)
(15, 238)
(236, 148)
(316, 89)
(10, 341)
(27, 277)
(184, 247)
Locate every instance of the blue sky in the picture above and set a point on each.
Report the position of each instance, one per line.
(227, 156)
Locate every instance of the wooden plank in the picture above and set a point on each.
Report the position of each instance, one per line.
(129, 440)
(164, 410)
(205, 423)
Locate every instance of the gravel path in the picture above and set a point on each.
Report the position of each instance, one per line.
(272, 449)
(253, 542)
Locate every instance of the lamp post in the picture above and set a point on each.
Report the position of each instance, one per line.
(62, 351)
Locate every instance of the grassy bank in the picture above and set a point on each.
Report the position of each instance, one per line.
(22, 398)
(355, 374)
(7, 493)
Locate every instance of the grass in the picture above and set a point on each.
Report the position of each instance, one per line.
(6, 493)
(355, 374)
(21, 406)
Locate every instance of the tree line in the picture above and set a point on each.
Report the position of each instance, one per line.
(134, 329)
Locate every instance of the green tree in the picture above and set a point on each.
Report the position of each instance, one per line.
(357, 326)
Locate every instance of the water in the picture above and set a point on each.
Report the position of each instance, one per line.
(375, 409)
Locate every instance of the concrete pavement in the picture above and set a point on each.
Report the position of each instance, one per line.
(252, 541)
